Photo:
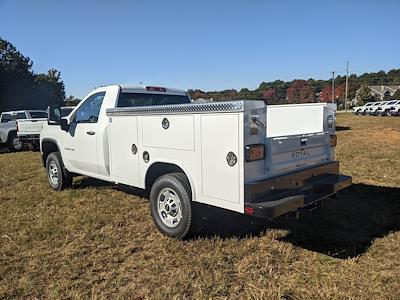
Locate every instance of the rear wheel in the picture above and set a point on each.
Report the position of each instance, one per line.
(14, 144)
(56, 176)
(170, 203)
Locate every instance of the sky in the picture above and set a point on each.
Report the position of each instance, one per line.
(209, 45)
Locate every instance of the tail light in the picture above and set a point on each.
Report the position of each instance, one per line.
(333, 140)
(248, 210)
(156, 89)
(254, 152)
(17, 126)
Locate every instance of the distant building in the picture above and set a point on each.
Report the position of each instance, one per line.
(381, 91)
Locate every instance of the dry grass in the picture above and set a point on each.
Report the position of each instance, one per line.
(98, 241)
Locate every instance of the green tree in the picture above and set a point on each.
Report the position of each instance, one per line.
(15, 76)
(396, 95)
(20, 88)
(364, 95)
(71, 101)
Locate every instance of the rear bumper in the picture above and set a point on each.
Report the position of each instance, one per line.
(29, 137)
(276, 196)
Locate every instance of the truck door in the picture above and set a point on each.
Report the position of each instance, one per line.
(80, 142)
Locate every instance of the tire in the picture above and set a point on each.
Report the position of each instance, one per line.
(14, 144)
(170, 204)
(58, 179)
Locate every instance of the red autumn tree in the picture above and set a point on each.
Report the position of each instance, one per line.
(300, 92)
(326, 93)
(270, 96)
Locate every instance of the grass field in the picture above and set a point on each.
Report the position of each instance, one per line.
(97, 240)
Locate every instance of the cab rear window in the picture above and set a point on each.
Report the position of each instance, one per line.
(148, 99)
(38, 114)
(12, 117)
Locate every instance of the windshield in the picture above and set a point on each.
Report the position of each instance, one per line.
(148, 99)
(38, 114)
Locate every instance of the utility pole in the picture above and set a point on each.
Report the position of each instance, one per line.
(333, 86)
(347, 86)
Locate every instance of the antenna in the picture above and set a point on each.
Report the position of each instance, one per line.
(347, 86)
(333, 86)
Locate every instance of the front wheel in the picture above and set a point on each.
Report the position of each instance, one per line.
(56, 176)
(170, 203)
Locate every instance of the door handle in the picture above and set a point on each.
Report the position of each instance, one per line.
(90, 132)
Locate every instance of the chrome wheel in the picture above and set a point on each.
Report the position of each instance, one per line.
(169, 207)
(17, 144)
(53, 173)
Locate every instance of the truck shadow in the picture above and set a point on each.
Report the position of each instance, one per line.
(343, 227)
(342, 128)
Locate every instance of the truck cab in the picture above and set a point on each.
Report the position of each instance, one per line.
(242, 156)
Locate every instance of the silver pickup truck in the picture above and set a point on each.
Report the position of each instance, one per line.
(8, 126)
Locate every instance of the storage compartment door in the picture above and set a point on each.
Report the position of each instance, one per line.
(169, 132)
(123, 139)
(219, 136)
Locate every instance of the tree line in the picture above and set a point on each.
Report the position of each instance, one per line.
(21, 88)
(311, 90)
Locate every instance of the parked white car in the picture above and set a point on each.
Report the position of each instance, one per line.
(395, 111)
(243, 156)
(8, 126)
(383, 110)
(360, 110)
(372, 110)
(371, 107)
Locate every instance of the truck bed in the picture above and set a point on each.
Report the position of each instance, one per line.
(30, 126)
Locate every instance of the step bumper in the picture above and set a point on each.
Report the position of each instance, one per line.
(277, 196)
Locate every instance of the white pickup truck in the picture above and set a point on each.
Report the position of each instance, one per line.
(9, 127)
(28, 130)
(243, 156)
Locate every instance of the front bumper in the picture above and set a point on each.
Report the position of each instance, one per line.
(276, 196)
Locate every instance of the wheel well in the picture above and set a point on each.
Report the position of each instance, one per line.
(10, 133)
(47, 148)
(158, 169)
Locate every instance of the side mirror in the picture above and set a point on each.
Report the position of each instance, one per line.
(54, 115)
(64, 124)
(54, 118)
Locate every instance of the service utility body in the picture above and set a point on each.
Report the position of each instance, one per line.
(244, 156)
